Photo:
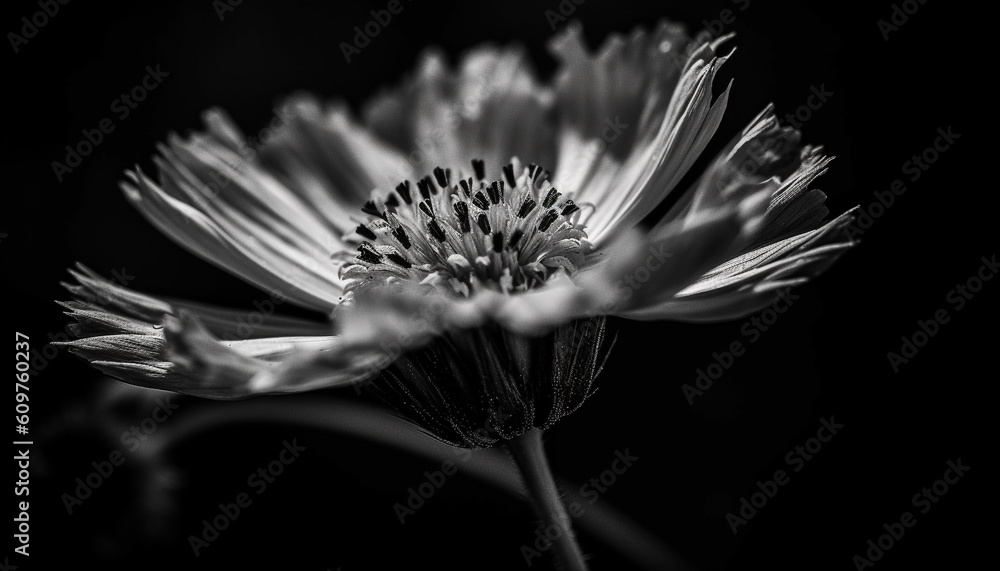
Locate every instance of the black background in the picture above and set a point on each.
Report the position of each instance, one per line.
(333, 509)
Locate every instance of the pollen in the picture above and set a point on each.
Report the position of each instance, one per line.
(463, 234)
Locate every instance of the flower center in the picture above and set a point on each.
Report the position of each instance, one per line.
(508, 235)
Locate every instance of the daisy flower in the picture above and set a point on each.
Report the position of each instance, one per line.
(468, 235)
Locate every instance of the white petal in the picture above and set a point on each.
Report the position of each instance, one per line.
(225, 208)
(795, 208)
(164, 345)
(491, 108)
(751, 280)
(211, 368)
(636, 117)
(238, 244)
(763, 153)
(331, 162)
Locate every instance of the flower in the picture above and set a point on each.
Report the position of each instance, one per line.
(477, 282)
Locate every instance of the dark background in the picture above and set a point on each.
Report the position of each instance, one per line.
(333, 509)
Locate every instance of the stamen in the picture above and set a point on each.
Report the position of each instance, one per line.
(539, 237)
(547, 220)
(526, 207)
(426, 207)
(425, 185)
(508, 173)
(462, 213)
(442, 177)
(369, 254)
(400, 234)
(370, 208)
(515, 237)
(495, 191)
(480, 168)
(480, 201)
(399, 260)
(484, 223)
(535, 172)
(436, 230)
(551, 198)
(403, 189)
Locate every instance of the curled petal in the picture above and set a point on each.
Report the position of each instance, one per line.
(636, 115)
(789, 245)
(671, 258)
(763, 154)
(795, 207)
(100, 306)
(195, 349)
(753, 279)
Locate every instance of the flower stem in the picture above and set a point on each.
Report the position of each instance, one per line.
(530, 457)
(358, 420)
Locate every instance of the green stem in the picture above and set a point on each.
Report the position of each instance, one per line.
(530, 457)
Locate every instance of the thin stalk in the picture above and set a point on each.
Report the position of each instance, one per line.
(529, 455)
(375, 424)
